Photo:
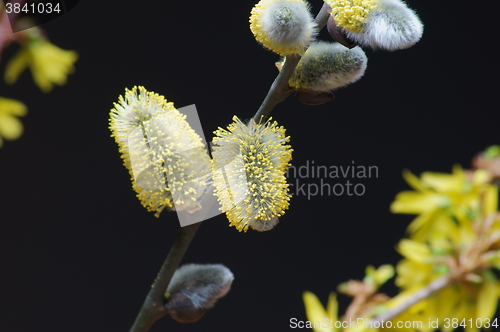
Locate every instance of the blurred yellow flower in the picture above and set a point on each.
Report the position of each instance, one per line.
(474, 297)
(418, 266)
(378, 277)
(49, 64)
(327, 320)
(10, 126)
(315, 312)
(445, 200)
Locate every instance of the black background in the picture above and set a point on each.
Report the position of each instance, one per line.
(77, 250)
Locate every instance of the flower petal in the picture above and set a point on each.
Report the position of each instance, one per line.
(442, 182)
(413, 250)
(315, 310)
(332, 307)
(487, 298)
(412, 202)
(414, 181)
(10, 127)
(16, 65)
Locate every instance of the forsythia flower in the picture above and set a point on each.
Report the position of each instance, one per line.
(327, 320)
(419, 264)
(49, 64)
(328, 66)
(249, 163)
(315, 312)
(283, 26)
(10, 127)
(378, 277)
(474, 298)
(379, 24)
(167, 160)
(442, 200)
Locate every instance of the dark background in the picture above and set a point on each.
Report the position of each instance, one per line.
(77, 250)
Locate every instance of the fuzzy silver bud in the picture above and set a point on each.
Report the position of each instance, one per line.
(328, 66)
(194, 288)
(390, 26)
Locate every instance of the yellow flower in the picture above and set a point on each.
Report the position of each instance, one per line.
(249, 164)
(48, 63)
(315, 312)
(417, 269)
(283, 26)
(445, 200)
(351, 14)
(378, 277)
(473, 297)
(467, 303)
(327, 320)
(10, 127)
(167, 160)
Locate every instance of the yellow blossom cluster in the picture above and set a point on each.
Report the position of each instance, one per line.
(49, 64)
(455, 233)
(446, 277)
(351, 14)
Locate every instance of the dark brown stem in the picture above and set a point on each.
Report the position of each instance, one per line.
(280, 90)
(153, 306)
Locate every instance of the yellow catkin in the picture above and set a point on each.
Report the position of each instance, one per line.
(282, 26)
(249, 163)
(166, 159)
(351, 14)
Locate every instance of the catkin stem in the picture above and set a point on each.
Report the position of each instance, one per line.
(153, 306)
(280, 90)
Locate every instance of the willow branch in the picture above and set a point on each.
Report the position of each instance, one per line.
(322, 16)
(434, 287)
(153, 306)
(280, 90)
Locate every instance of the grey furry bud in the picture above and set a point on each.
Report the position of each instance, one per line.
(380, 24)
(194, 288)
(328, 66)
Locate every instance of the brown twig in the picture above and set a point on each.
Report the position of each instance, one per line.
(426, 292)
(153, 306)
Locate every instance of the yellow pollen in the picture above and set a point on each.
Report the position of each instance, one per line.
(351, 14)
